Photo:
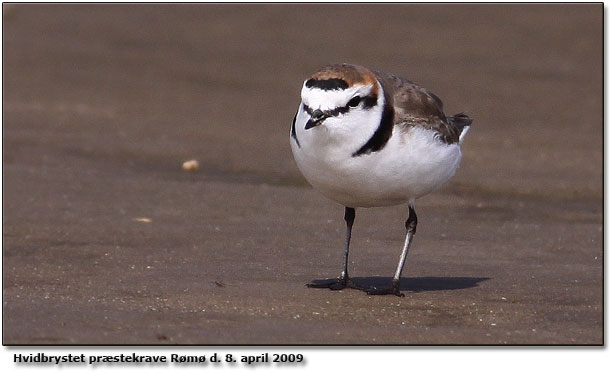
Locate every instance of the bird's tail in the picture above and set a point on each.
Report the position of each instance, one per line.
(461, 122)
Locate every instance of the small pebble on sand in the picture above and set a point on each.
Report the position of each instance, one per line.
(190, 165)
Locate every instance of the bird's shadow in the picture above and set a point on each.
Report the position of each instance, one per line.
(421, 284)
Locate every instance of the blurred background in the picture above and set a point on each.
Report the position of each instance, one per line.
(103, 103)
(222, 82)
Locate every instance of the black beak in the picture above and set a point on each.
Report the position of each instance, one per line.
(317, 117)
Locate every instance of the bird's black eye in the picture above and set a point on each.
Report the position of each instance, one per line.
(354, 101)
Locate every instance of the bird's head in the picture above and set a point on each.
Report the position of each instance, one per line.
(337, 93)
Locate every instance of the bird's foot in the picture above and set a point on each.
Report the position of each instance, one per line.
(334, 284)
(393, 290)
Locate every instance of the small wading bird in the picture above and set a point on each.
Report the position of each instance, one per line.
(369, 139)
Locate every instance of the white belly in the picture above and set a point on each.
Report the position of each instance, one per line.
(412, 164)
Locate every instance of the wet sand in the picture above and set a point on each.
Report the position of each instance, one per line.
(106, 240)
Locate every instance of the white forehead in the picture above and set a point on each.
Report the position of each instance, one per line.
(317, 98)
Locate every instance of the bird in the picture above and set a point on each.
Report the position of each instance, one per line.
(367, 138)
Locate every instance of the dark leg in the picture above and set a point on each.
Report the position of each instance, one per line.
(349, 217)
(411, 225)
(343, 280)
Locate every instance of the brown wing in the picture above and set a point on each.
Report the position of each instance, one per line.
(417, 106)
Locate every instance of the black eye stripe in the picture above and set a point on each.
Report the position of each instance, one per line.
(339, 110)
(369, 102)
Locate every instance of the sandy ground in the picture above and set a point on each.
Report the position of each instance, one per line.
(106, 240)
